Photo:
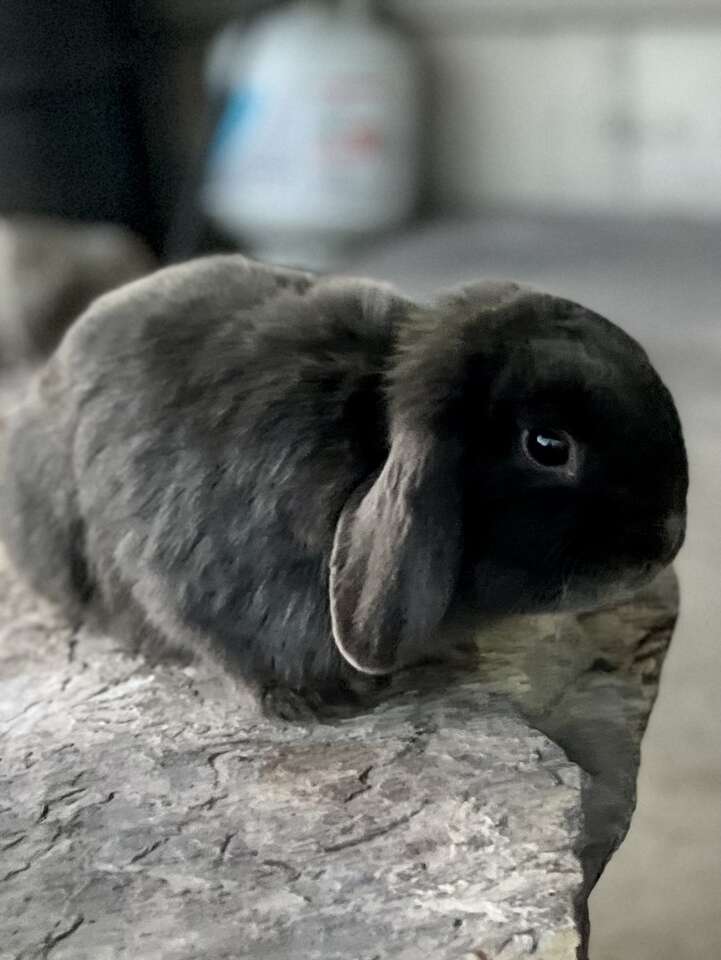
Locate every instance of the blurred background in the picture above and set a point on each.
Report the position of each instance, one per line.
(573, 144)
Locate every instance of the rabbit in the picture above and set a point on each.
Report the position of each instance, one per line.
(314, 477)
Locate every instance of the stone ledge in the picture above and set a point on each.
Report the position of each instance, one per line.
(145, 813)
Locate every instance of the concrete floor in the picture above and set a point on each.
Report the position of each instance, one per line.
(660, 899)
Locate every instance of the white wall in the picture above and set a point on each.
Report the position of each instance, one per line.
(612, 108)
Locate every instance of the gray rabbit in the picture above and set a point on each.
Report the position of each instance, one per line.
(313, 477)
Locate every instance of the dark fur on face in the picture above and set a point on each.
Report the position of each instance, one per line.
(559, 539)
(288, 469)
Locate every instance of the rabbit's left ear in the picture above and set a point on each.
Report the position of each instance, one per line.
(396, 554)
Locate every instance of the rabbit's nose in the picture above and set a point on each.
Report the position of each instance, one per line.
(675, 529)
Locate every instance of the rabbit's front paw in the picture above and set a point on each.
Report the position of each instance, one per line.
(463, 655)
(281, 703)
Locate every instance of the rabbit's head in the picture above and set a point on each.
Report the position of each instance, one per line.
(536, 463)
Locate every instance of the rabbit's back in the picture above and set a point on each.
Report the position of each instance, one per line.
(216, 426)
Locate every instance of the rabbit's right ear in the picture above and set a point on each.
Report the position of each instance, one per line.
(396, 553)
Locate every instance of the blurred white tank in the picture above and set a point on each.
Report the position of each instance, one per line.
(318, 143)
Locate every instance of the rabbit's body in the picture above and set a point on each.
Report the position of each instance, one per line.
(169, 463)
(264, 463)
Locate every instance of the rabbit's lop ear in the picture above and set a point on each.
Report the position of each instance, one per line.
(396, 554)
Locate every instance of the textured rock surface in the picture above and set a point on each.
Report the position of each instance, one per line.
(146, 813)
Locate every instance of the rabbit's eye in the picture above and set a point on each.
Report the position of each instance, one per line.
(547, 448)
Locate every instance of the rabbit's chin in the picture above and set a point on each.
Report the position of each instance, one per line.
(515, 592)
(586, 594)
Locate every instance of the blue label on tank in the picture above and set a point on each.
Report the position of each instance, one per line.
(239, 108)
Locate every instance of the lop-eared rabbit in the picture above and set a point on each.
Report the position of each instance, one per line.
(312, 477)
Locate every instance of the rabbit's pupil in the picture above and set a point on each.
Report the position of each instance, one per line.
(548, 448)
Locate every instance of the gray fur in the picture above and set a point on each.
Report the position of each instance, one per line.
(306, 477)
